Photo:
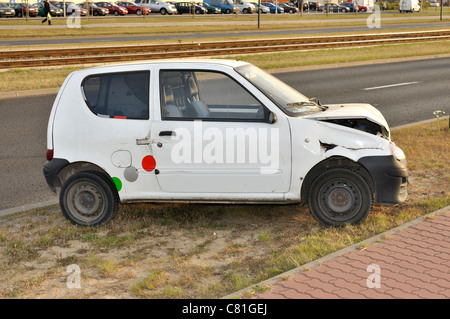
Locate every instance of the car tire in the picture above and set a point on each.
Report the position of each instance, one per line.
(163, 11)
(89, 199)
(95, 13)
(340, 196)
(138, 12)
(116, 13)
(227, 11)
(19, 14)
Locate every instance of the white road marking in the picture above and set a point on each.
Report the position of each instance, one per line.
(389, 86)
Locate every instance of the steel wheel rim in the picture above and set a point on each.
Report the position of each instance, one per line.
(85, 201)
(340, 199)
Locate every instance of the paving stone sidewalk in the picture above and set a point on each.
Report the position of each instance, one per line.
(410, 262)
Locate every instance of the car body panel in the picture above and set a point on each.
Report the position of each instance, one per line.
(161, 157)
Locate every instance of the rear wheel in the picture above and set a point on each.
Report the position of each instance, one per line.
(340, 196)
(116, 13)
(88, 199)
(163, 11)
(138, 12)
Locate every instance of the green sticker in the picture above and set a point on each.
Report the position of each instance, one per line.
(118, 183)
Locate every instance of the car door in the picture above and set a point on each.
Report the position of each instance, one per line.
(213, 136)
(120, 102)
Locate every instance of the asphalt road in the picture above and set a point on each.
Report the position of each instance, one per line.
(404, 92)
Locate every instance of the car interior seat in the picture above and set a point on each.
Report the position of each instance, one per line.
(168, 103)
(194, 102)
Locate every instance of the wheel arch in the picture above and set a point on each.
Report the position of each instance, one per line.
(73, 168)
(333, 162)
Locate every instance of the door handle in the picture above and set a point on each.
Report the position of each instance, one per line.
(167, 133)
(142, 141)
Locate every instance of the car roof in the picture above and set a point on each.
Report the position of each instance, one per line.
(225, 62)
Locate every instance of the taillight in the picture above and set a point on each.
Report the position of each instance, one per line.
(49, 155)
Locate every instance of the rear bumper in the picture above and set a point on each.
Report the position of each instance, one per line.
(390, 177)
(51, 170)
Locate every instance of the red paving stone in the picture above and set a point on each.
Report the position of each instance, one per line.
(414, 263)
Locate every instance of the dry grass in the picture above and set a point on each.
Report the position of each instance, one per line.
(201, 251)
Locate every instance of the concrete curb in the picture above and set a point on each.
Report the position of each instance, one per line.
(13, 210)
(12, 94)
(327, 258)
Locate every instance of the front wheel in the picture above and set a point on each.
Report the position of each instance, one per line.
(340, 196)
(89, 199)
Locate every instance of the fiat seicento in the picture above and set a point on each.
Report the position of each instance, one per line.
(214, 131)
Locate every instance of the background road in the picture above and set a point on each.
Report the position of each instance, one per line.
(404, 92)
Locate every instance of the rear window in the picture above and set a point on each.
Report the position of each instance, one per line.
(118, 95)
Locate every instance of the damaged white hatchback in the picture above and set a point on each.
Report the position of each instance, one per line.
(214, 131)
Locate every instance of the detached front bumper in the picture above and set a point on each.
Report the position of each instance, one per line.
(390, 177)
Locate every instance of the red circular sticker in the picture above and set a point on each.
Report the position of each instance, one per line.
(149, 163)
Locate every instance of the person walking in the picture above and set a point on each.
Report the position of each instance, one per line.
(48, 16)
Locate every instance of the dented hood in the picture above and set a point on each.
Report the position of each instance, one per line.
(351, 111)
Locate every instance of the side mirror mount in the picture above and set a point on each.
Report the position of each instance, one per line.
(271, 118)
(315, 100)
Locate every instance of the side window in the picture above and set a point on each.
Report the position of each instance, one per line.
(206, 95)
(118, 95)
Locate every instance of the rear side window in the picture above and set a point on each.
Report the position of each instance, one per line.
(118, 95)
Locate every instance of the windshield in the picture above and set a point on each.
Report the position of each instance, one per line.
(289, 100)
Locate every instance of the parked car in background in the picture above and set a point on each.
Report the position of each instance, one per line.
(352, 6)
(434, 3)
(313, 6)
(94, 10)
(333, 7)
(54, 11)
(112, 8)
(262, 8)
(70, 7)
(245, 7)
(6, 10)
(134, 8)
(210, 8)
(409, 6)
(227, 6)
(362, 8)
(190, 8)
(21, 10)
(273, 8)
(108, 143)
(288, 8)
(158, 6)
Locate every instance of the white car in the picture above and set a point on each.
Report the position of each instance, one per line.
(158, 6)
(262, 8)
(215, 131)
(245, 7)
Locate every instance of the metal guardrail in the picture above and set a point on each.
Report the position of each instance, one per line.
(55, 57)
